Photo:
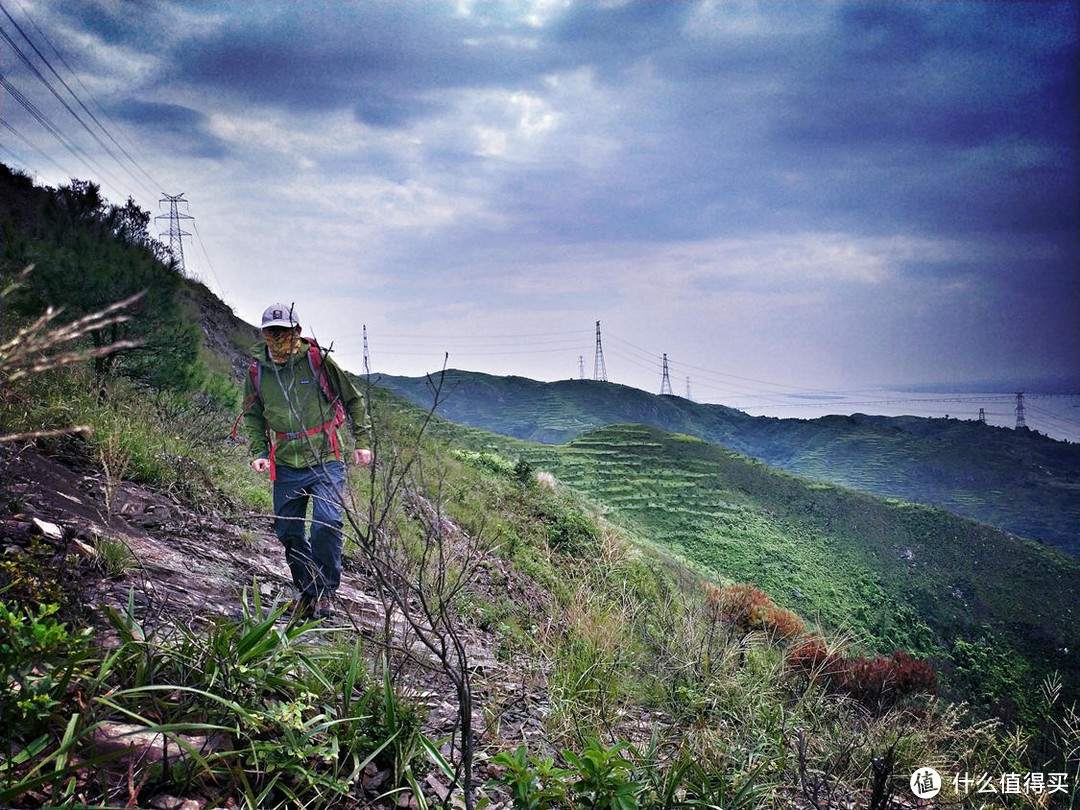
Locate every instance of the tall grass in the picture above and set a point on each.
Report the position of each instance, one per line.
(268, 712)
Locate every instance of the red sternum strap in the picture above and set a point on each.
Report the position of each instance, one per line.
(328, 428)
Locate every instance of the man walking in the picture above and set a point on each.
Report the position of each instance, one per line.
(295, 398)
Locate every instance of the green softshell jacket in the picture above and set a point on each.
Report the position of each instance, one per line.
(290, 400)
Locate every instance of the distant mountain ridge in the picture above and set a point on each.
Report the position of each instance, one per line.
(1019, 481)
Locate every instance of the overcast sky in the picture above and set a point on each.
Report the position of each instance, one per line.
(781, 196)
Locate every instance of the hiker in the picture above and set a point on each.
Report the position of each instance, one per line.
(295, 398)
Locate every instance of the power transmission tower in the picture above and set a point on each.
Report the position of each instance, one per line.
(688, 390)
(367, 357)
(1020, 422)
(665, 383)
(581, 366)
(982, 415)
(176, 233)
(599, 368)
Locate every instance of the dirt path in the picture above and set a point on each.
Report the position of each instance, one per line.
(190, 566)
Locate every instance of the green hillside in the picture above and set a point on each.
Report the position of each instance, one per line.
(568, 643)
(1019, 481)
(895, 574)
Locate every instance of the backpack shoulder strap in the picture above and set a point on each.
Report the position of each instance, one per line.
(315, 358)
(255, 372)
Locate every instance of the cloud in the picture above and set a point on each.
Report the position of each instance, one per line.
(778, 163)
(183, 128)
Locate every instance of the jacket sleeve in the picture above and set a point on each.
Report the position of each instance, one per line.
(353, 402)
(254, 420)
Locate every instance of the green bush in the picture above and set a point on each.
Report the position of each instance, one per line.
(604, 777)
(41, 663)
(535, 783)
(569, 530)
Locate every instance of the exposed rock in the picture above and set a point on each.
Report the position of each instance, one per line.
(166, 802)
(143, 745)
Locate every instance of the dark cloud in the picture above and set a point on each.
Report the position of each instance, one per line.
(612, 38)
(933, 124)
(387, 61)
(184, 127)
(114, 21)
(380, 109)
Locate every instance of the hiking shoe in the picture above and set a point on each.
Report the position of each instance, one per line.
(324, 608)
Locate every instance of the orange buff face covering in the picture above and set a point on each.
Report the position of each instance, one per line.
(282, 346)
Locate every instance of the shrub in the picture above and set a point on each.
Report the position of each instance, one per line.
(810, 657)
(782, 623)
(535, 783)
(744, 608)
(876, 682)
(605, 777)
(41, 664)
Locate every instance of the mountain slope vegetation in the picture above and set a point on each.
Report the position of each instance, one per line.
(895, 574)
(1019, 481)
(148, 658)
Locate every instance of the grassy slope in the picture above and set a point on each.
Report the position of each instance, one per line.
(1019, 481)
(894, 573)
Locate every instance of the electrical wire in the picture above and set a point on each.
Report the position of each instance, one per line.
(57, 133)
(6, 125)
(75, 76)
(41, 77)
(209, 264)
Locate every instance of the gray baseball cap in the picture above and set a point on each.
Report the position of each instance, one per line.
(280, 315)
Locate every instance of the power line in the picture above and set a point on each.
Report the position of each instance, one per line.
(56, 131)
(413, 336)
(86, 90)
(210, 264)
(466, 352)
(29, 143)
(33, 69)
(29, 64)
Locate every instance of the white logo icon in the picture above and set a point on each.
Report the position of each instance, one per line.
(926, 783)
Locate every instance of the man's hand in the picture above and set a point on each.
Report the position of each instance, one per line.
(260, 465)
(361, 457)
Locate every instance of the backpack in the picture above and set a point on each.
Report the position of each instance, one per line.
(315, 359)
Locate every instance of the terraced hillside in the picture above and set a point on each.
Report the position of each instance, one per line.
(897, 574)
(1019, 481)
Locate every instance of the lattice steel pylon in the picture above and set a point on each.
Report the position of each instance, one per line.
(581, 367)
(1020, 421)
(599, 367)
(688, 390)
(665, 383)
(176, 233)
(367, 357)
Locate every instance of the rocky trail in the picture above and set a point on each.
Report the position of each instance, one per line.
(190, 566)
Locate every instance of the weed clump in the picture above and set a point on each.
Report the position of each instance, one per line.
(877, 682)
(745, 608)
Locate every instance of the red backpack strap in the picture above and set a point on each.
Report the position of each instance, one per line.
(255, 372)
(315, 358)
